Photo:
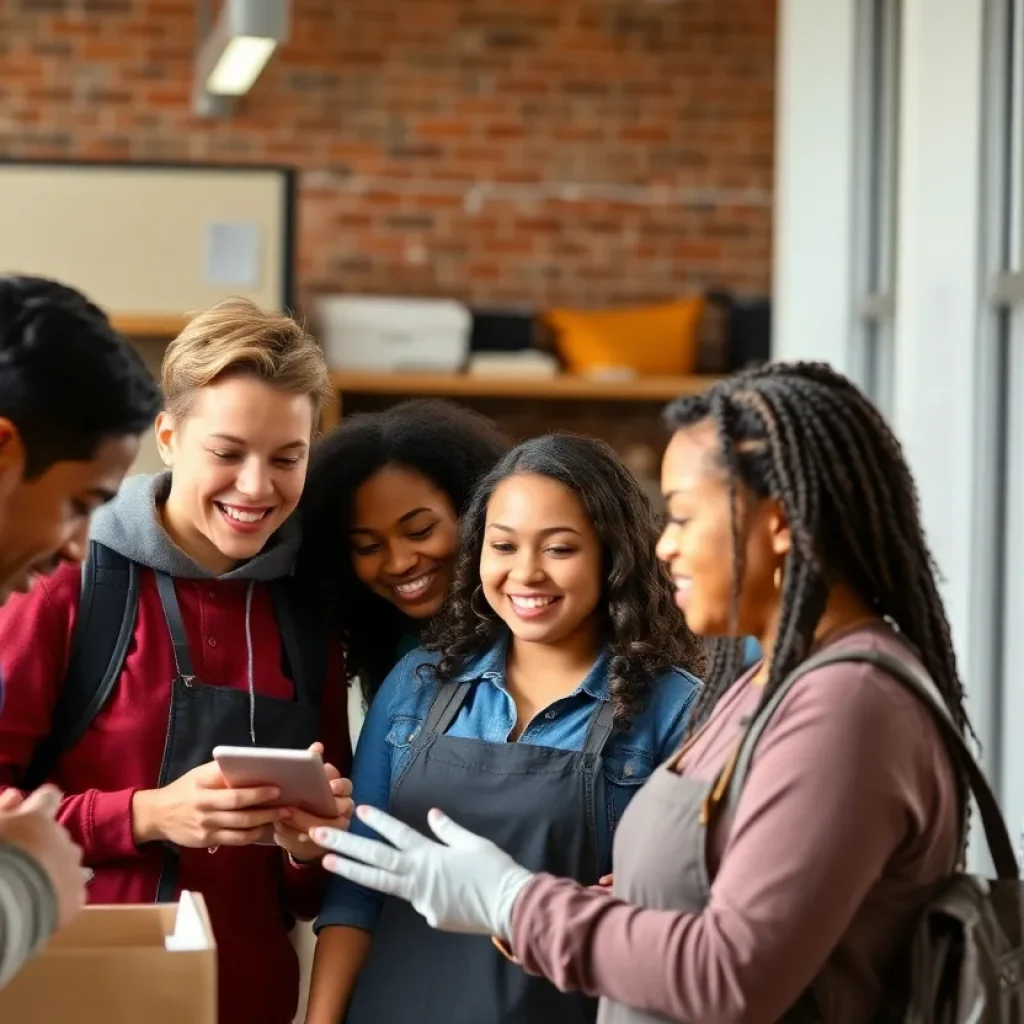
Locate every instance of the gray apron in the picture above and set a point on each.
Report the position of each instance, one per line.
(664, 815)
(540, 805)
(203, 716)
(669, 814)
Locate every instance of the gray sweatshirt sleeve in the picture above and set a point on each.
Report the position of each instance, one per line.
(28, 910)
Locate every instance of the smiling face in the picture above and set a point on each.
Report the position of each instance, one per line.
(238, 460)
(403, 536)
(46, 519)
(540, 567)
(697, 543)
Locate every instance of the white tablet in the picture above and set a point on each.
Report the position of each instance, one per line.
(298, 774)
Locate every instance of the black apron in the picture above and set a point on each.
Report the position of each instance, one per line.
(539, 804)
(204, 716)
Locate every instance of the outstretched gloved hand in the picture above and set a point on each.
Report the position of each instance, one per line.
(462, 884)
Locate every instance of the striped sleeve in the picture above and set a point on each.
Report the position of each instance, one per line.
(28, 910)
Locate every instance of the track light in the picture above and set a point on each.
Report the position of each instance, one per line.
(236, 50)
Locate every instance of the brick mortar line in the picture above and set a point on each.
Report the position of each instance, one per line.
(477, 193)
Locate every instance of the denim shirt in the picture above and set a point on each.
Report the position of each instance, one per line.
(403, 702)
(751, 653)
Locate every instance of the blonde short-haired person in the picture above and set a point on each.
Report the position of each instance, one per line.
(221, 648)
(793, 518)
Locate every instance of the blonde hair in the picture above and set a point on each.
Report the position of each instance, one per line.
(236, 338)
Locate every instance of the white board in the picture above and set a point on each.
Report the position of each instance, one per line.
(151, 240)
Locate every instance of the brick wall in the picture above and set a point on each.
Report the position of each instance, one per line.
(502, 151)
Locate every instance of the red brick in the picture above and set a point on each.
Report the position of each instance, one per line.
(105, 50)
(471, 128)
(434, 129)
(62, 25)
(25, 73)
(506, 131)
(173, 95)
(439, 200)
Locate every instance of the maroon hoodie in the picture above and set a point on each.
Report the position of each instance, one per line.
(253, 893)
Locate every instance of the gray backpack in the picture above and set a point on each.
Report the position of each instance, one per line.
(965, 964)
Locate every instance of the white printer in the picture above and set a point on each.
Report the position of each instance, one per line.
(383, 334)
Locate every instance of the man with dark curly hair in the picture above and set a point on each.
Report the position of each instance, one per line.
(74, 398)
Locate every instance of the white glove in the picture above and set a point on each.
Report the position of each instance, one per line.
(463, 884)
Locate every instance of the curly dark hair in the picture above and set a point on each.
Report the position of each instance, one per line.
(639, 623)
(805, 435)
(451, 446)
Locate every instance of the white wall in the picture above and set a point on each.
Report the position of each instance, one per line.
(813, 240)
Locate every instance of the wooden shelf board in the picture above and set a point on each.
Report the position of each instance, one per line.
(641, 389)
(141, 325)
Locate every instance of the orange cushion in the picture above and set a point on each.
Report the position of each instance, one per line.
(658, 340)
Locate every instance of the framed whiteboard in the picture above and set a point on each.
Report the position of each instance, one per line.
(152, 239)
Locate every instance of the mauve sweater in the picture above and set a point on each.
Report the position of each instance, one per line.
(849, 819)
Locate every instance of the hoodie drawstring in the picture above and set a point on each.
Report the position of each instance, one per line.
(249, 663)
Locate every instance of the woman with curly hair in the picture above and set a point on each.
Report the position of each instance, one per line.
(380, 519)
(555, 681)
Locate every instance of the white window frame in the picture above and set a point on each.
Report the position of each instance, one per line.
(876, 174)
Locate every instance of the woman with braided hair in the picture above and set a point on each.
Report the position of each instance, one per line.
(774, 868)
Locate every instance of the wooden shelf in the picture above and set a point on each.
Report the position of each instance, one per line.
(444, 385)
(134, 325)
(458, 385)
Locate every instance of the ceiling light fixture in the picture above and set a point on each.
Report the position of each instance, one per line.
(233, 53)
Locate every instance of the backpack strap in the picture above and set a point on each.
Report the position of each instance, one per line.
(103, 629)
(920, 684)
(304, 639)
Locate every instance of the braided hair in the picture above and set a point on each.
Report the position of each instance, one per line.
(807, 436)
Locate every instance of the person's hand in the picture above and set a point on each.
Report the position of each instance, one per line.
(31, 827)
(200, 809)
(463, 884)
(10, 800)
(604, 883)
(292, 832)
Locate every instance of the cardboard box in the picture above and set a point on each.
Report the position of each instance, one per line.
(119, 964)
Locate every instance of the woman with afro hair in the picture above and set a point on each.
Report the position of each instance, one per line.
(380, 521)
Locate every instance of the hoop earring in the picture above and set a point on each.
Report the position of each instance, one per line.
(478, 592)
(777, 578)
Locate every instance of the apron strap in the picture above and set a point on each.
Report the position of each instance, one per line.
(175, 625)
(602, 725)
(447, 704)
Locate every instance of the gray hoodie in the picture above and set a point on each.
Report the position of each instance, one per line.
(131, 525)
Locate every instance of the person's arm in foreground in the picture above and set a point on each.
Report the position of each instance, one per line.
(42, 885)
(821, 814)
(350, 912)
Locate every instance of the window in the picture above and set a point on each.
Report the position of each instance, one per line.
(998, 590)
(876, 152)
